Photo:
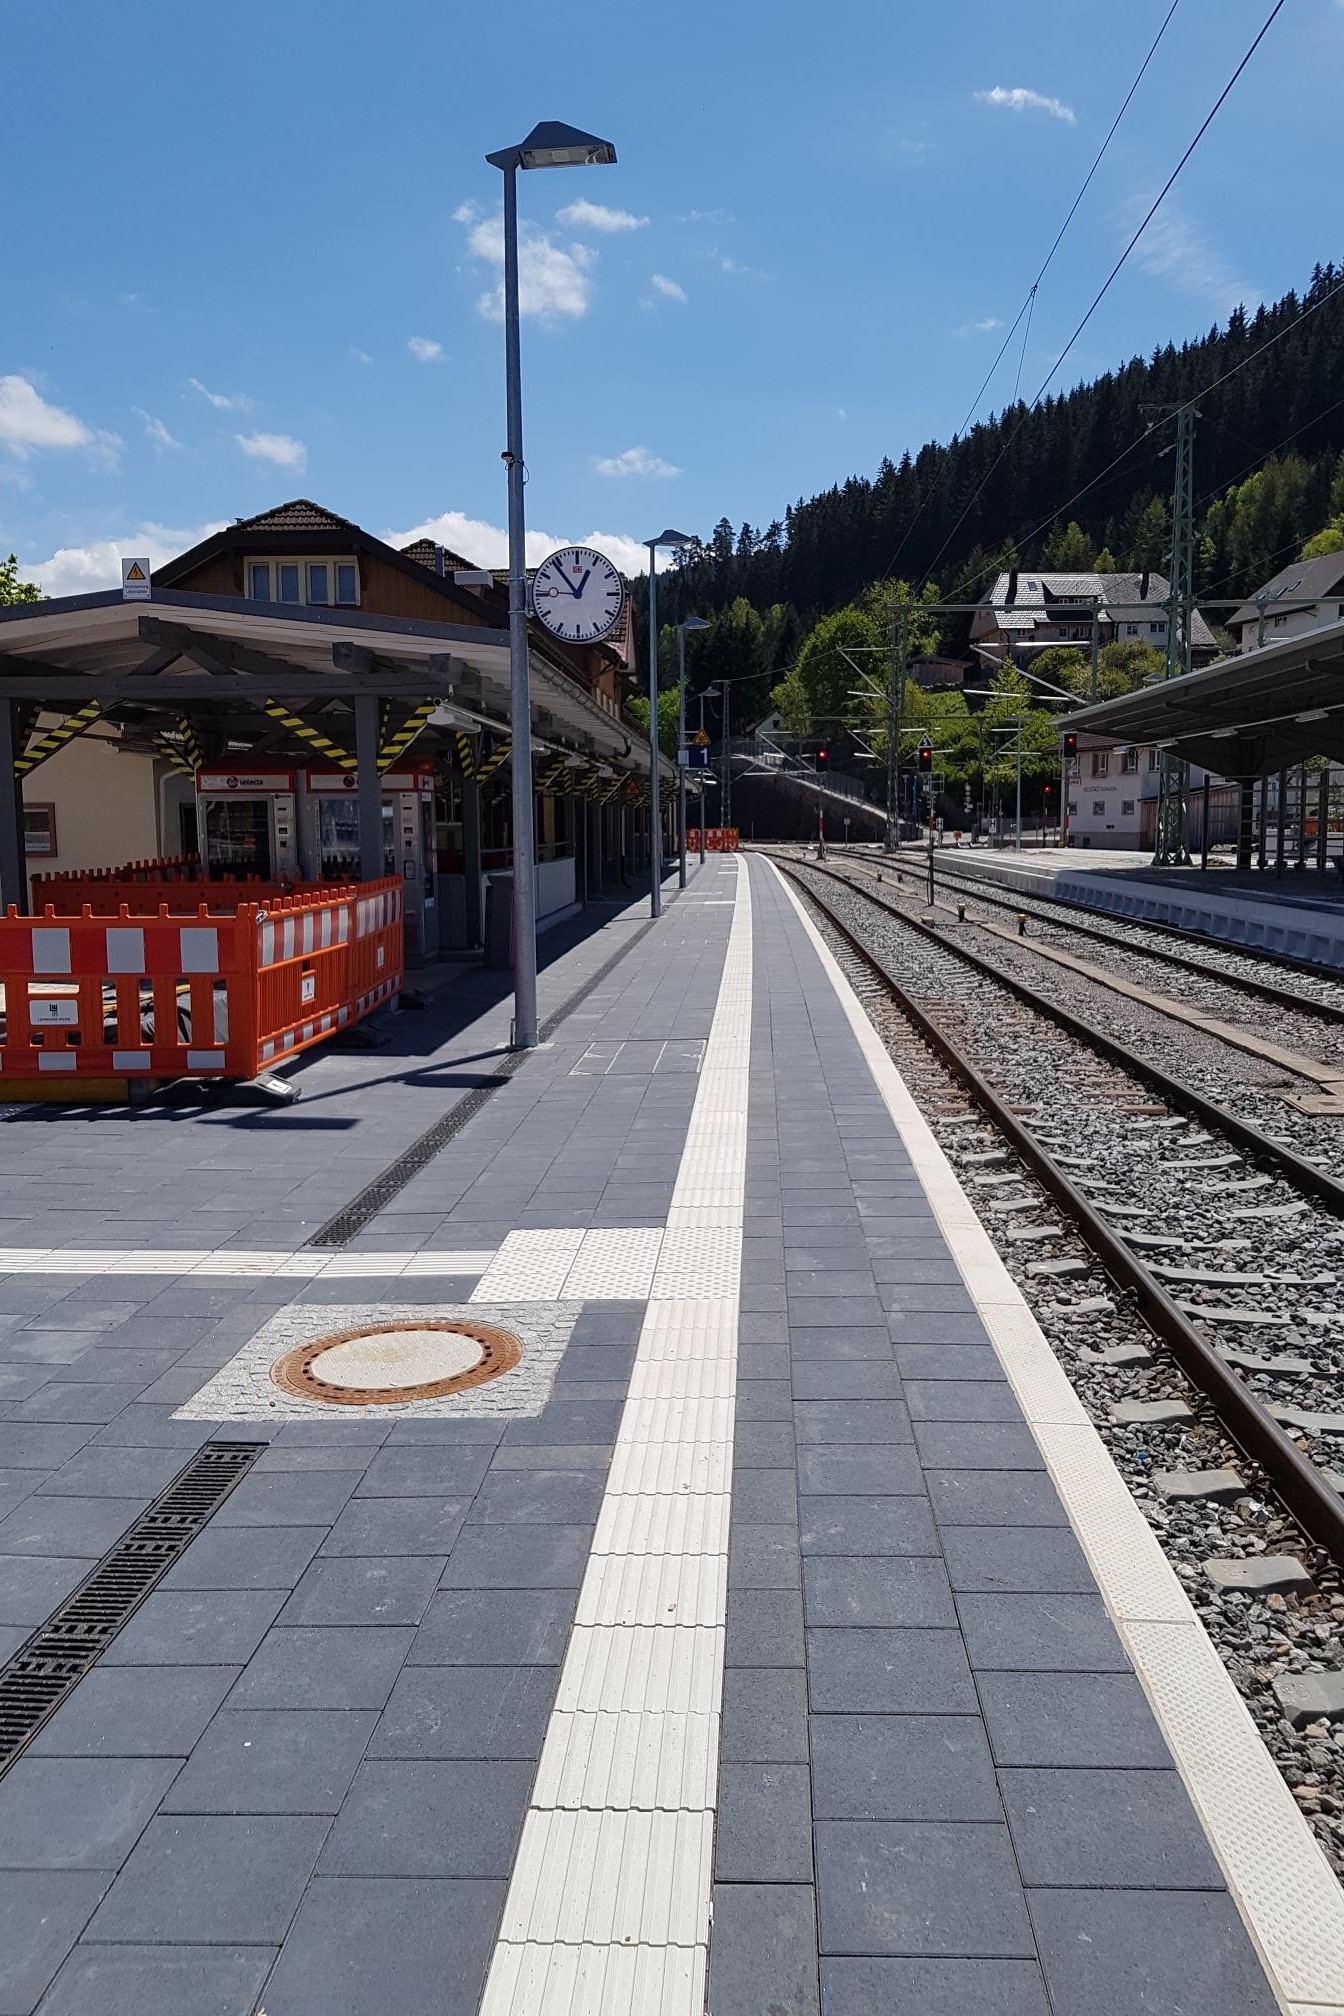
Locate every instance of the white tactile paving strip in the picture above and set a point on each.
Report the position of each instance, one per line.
(607, 1912)
(1291, 1904)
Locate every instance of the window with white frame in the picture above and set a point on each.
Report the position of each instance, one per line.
(1101, 762)
(39, 830)
(1130, 760)
(1126, 808)
(311, 584)
(1152, 759)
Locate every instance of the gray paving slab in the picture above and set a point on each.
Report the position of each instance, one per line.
(920, 1887)
(1105, 1951)
(888, 1671)
(869, 1589)
(902, 1767)
(42, 1913)
(206, 1627)
(273, 1761)
(764, 1715)
(1070, 1719)
(763, 1827)
(323, 1667)
(158, 1980)
(763, 1955)
(369, 1945)
(78, 1812)
(206, 1879)
(1106, 1829)
(1068, 1633)
(943, 1987)
(136, 1711)
(856, 1525)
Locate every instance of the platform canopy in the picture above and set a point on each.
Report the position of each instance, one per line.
(183, 650)
(1242, 717)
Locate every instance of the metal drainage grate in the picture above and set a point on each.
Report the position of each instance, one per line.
(35, 1681)
(353, 1217)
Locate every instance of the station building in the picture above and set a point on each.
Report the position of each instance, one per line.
(229, 744)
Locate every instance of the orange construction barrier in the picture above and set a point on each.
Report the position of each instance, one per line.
(718, 840)
(142, 886)
(91, 1004)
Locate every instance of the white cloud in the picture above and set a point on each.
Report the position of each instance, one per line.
(282, 449)
(671, 290)
(223, 402)
(486, 545)
(1020, 99)
(1174, 248)
(721, 217)
(360, 356)
(155, 429)
(83, 570)
(586, 216)
(28, 422)
(634, 462)
(552, 279)
(986, 327)
(424, 349)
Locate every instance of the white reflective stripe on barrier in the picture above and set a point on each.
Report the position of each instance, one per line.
(125, 948)
(51, 949)
(198, 949)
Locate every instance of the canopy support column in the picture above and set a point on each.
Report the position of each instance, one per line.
(471, 859)
(369, 781)
(13, 862)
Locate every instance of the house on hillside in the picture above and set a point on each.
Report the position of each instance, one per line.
(1297, 598)
(1027, 611)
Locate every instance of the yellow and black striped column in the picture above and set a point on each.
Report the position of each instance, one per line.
(393, 746)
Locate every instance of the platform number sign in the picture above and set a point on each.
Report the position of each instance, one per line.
(578, 595)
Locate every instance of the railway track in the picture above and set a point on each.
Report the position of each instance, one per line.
(1159, 1257)
(1201, 957)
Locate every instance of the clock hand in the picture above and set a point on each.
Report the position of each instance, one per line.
(584, 583)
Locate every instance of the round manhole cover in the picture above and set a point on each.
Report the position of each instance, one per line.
(388, 1362)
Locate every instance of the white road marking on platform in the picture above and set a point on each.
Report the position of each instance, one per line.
(607, 1910)
(224, 1261)
(1288, 1897)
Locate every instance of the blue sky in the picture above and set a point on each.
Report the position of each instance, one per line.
(254, 254)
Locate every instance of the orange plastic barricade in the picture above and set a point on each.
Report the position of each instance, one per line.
(92, 1002)
(142, 886)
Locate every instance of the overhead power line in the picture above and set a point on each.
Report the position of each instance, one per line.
(1105, 287)
(1029, 302)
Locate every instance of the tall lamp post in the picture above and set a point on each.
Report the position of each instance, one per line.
(665, 539)
(549, 145)
(690, 623)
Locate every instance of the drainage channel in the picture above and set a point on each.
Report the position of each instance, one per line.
(49, 1664)
(354, 1216)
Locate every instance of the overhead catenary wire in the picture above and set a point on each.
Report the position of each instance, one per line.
(1029, 301)
(1105, 287)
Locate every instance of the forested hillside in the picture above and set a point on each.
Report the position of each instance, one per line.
(1081, 480)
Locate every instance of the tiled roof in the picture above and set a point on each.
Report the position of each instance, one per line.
(425, 551)
(300, 514)
(1303, 581)
(1044, 597)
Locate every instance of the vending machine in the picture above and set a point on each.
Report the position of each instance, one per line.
(329, 841)
(246, 824)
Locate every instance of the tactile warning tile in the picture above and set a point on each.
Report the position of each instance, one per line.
(614, 1264)
(617, 1877)
(698, 1261)
(654, 1589)
(530, 1266)
(649, 1763)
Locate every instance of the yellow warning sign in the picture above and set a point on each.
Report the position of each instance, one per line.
(135, 580)
(700, 739)
(135, 572)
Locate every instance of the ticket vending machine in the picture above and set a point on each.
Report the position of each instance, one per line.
(329, 841)
(246, 824)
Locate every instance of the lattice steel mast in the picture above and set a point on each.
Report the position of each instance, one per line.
(1172, 849)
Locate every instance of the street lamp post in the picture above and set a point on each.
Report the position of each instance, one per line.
(689, 623)
(665, 538)
(549, 145)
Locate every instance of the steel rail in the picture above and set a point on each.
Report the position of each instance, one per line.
(973, 886)
(1304, 1176)
(1318, 1510)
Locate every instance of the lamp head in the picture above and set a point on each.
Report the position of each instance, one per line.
(670, 538)
(695, 623)
(553, 144)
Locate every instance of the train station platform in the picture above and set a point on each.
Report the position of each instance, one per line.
(745, 1615)
(1301, 915)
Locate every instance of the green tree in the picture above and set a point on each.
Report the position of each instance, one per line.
(1068, 550)
(789, 700)
(638, 710)
(1330, 539)
(1104, 562)
(14, 590)
(828, 676)
(1008, 719)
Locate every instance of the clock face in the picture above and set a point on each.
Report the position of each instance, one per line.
(578, 595)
